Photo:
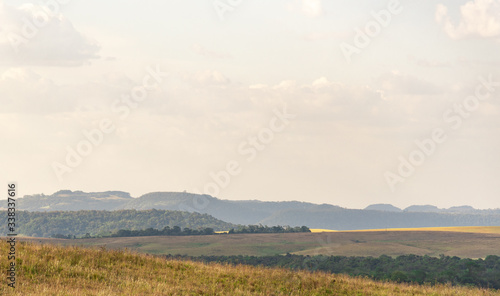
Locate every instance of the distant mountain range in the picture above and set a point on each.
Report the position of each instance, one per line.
(246, 212)
(425, 209)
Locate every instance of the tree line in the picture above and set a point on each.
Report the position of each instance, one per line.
(483, 273)
(176, 230)
(179, 231)
(267, 229)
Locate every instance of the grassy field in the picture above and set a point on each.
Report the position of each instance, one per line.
(55, 270)
(316, 230)
(471, 229)
(357, 243)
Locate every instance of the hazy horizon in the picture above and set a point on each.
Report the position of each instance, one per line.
(349, 104)
(360, 208)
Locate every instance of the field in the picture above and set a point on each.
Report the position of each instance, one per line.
(472, 229)
(55, 270)
(459, 242)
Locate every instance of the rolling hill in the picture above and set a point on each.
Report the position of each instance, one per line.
(93, 223)
(247, 212)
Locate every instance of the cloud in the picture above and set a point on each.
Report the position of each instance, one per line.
(324, 35)
(309, 8)
(312, 8)
(201, 50)
(459, 61)
(473, 63)
(213, 102)
(429, 63)
(24, 91)
(397, 83)
(207, 78)
(321, 100)
(33, 35)
(478, 18)
(390, 100)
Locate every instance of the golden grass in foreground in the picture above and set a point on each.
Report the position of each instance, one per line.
(56, 270)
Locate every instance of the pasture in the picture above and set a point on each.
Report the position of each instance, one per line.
(470, 242)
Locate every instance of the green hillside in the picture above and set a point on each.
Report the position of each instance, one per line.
(79, 223)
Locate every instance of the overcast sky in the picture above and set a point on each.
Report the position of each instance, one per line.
(342, 102)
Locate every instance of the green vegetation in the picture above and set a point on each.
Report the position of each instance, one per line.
(100, 223)
(407, 268)
(267, 229)
(178, 231)
(55, 270)
(67, 200)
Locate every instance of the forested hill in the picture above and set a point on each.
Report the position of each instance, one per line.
(239, 212)
(96, 223)
(67, 200)
(253, 212)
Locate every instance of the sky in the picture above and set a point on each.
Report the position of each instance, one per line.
(348, 103)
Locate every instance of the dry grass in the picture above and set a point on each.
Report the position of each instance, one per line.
(316, 230)
(469, 229)
(359, 243)
(56, 270)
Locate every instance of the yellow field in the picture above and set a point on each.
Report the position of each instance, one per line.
(55, 270)
(315, 230)
(471, 229)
